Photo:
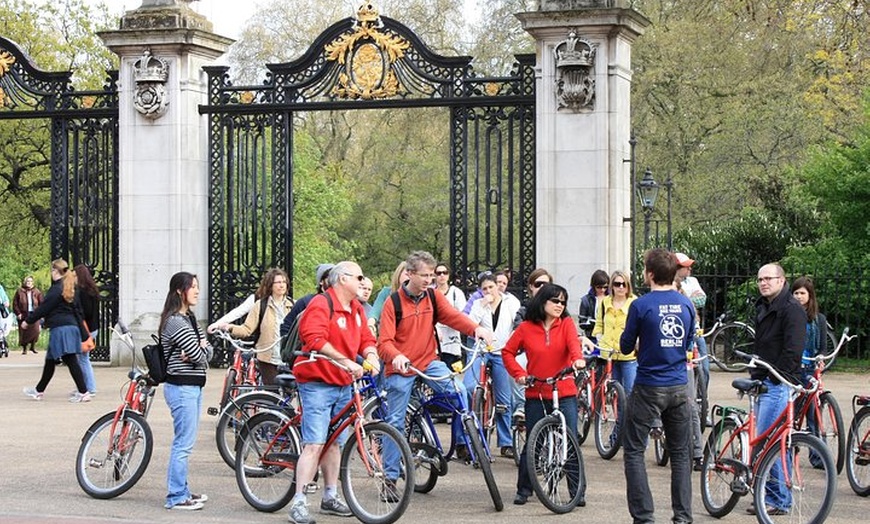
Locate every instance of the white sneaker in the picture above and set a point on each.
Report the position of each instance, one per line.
(32, 393)
(80, 397)
(188, 505)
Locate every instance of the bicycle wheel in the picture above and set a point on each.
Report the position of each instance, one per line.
(483, 406)
(584, 413)
(371, 496)
(858, 463)
(735, 336)
(557, 483)
(266, 462)
(229, 383)
(425, 455)
(111, 460)
(701, 398)
(232, 419)
(810, 488)
(830, 346)
(518, 438)
(607, 439)
(723, 468)
(831, 429)
(661, 449)
(483, 461)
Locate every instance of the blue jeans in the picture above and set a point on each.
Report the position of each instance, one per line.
(398, 390)
(646, 405)
(320, 402)
(768, 408)
(625, 372)
(502, 392)
(87, 368)
(705, 364)
(185, 404)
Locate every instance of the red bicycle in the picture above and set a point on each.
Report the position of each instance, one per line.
(600, 399)
(242, 375)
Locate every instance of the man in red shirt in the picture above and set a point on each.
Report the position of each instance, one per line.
(411, 341)
(334, 324)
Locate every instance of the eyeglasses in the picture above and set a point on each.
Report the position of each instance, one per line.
(440, 273)
(424, 275)
(766, 279)
(358, 277)
(619, 284)
(538, 283)
(558, 302)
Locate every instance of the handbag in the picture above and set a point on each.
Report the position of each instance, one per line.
(89, 343)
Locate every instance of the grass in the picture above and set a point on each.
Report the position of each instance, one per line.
(851, 365)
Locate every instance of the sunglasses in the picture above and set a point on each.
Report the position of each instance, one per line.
(619, 284)
(538, 283)
(442, 272)
(558, 301)
(358, 277)
(604, 287)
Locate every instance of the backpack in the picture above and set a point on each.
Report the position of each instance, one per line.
(155, 359)
(292, 342)
(255, 335)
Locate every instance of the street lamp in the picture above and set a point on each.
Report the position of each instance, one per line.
(648, 191)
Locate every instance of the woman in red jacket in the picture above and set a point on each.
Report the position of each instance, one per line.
(550, 340)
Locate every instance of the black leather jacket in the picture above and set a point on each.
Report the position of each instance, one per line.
(780, 333)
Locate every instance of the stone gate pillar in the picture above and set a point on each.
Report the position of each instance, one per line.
(163, 156)
(583, 52)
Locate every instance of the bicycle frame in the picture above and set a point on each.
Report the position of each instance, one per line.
(554, 381)
(597, 385)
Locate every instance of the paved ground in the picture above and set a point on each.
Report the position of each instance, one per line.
(40, 440)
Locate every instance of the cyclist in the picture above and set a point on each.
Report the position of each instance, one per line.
(335, 326)
(692, 289)
(589, 304)
(780, 332)
(411, 341)
(449, 339)
(550, 341)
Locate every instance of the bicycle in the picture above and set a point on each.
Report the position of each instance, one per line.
(465, 429)
(116, 448)
(737, 461)
(242, 373)
(483, 399)
(727, 338)
(269, 448)
(822, 407)
(858, 454)
(600, 399)
(553, 456)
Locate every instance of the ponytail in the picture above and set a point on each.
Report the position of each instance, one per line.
(69, 279)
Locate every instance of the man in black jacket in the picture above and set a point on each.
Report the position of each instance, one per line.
(780, 330)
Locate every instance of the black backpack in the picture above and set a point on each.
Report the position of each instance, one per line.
(292, 342)
(155, 359)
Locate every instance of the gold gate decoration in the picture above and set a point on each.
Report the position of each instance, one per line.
(367, 56)
(6, 61)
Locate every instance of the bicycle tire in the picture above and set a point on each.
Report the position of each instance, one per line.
(830, 345)
(482, 403)
(734, 336)
(422, 442)
(363, 476)
(584, 413)
(125, 468)
(471, 432)
(701, 398)
(661, 451)
(267, 488)
(551, 480)
(229, 381)
(858, 460)
(607, 439)
(518, 439)
(719, 471)
(812, 487)
(230, 422)
(831, 429)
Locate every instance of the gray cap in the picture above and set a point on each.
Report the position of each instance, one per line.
(322, 270)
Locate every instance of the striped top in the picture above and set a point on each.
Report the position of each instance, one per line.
(186, 359)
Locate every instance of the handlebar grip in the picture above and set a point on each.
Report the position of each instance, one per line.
(741, 355)
(122, 327)
(845, 330)
(366, 365)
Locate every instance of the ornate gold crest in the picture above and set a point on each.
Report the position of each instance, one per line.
(366, 56)
(6, 61)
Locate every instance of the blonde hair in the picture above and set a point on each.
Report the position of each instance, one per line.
(626, 278)
(397, 274)
(69, 278)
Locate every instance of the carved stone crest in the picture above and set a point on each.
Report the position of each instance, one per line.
(575, 85)
(150, 75)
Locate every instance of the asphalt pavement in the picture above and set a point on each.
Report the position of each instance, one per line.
(39, 441)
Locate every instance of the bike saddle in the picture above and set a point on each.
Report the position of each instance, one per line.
(286, 381)
(748, 385)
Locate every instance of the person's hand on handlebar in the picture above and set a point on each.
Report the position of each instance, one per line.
(579, 364)
(588, 345)
(401, 363)
(485, 334)
(372, 364)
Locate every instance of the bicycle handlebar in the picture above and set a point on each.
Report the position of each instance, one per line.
(561, 375)
(843, 339)
(314, 355)
(242, 345)
(754, 361)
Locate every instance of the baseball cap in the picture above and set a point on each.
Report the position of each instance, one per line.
(684, 260)
(322, 270)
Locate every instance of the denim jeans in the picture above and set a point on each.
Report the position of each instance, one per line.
(87, 368)
(768, 408)
(320, 402)
(398, 388)
(670, 405)
(625, 372)
(536, 409)
(502, 392)
(185, 404)
(705, 364)
(519, 392)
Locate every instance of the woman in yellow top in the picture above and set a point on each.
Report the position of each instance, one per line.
(610, 323)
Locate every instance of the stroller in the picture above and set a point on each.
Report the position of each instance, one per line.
(5, 326)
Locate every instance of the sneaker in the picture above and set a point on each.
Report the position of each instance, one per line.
(389, 492)
(32, 393)
(299, 513)
(188, 505)
(82, 397)
(697, 464)
(520, 499)
(335, 506)
(520, 414)
(508, 451)
(199, 497)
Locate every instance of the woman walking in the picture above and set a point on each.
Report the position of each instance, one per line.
(89, 298)
(27, 298)
(187, 354)
(64, 336)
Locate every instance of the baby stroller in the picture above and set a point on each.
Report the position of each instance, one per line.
(4, 330)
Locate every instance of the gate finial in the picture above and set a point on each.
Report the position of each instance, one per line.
(367, 13)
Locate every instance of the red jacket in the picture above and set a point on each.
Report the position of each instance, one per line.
(415, 336)
(347, 331)
(546, 357)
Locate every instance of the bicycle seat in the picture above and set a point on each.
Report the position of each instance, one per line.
(748, 385)
(286, 381)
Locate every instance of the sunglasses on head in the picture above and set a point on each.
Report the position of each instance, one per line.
(558, 301)
(538, 283)
(619, 284)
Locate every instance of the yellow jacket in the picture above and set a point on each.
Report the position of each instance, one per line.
(609, 325)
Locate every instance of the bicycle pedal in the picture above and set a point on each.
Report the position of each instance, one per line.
(312, 487)
(739, 487)
(656, 433)
(863, 457)
(213, 411)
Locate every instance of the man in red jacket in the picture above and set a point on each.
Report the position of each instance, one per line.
(334, 324)
(411, 341)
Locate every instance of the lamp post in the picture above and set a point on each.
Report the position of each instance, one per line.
(648, 191)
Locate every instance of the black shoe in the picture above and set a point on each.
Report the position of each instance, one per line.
(697, 464)
(521, 499)
(508, 451)
(582, 502)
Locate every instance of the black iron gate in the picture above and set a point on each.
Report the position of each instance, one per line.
(82, 127)
(368, 62)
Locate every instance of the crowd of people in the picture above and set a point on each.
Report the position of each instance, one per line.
(421, 320)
